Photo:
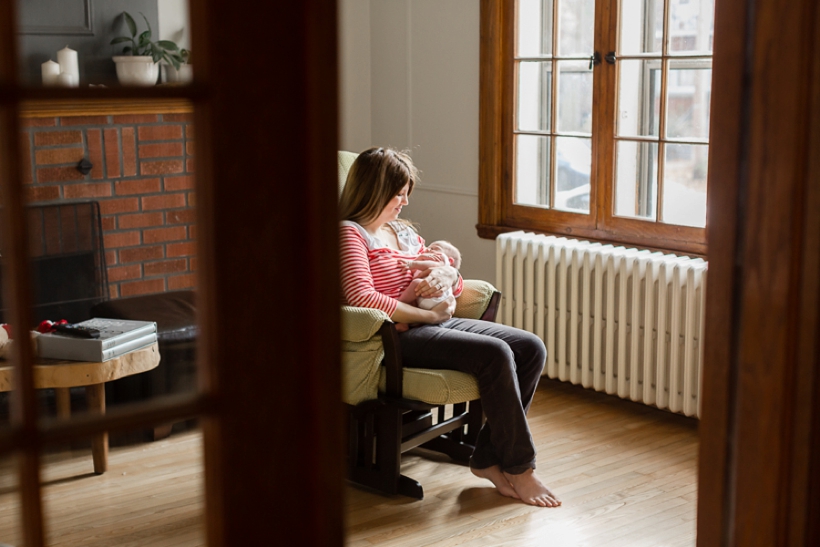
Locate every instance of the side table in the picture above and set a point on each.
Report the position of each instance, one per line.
(62, 375)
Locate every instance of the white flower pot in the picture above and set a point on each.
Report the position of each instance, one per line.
(184, 75)
(136, 70)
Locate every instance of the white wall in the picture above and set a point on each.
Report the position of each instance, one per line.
(354, 75)
(424, 81)
(173, 22)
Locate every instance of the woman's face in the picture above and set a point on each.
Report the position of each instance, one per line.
(393, 208)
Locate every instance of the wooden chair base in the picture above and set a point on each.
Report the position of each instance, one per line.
(381, 431)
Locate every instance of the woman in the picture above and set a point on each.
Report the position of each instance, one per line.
(507, 362)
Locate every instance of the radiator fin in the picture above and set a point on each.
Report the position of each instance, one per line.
(624, 321)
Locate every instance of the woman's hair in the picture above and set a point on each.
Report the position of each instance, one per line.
(376, 176)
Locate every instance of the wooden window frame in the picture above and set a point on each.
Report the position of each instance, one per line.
(497, 212)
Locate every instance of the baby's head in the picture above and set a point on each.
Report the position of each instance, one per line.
(447, 249)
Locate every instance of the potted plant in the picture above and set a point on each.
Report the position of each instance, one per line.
(182, 74)
(139, 63)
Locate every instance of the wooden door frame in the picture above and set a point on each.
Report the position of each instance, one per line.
(269, 284)
(760, 436)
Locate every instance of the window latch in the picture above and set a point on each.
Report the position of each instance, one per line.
(595, 60)
(610, 57)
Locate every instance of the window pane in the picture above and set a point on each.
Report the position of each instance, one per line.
(577, 25)
(10, 532)
(532, 179)
(636, 182)
(690, 93)
(691, 25)
(534, 95)
(573, 157)
(534, 28)
(641, 26)
(639, 98)
(684, 184)
(574, 97)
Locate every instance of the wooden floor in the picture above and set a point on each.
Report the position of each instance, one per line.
(152, 495)
(625, 472)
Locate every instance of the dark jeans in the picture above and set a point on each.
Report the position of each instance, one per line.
(507, 362)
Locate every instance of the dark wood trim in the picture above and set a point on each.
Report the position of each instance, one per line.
(104, 107)
(149, 413)
(17, 289)
(615, 238)
(272, 334)
(758, 434)
(491, 106)
(810, 342)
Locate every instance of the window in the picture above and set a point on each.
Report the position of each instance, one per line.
(595, 119)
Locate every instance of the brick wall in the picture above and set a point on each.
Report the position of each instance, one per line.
(142, 176)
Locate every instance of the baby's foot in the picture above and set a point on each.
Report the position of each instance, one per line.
(495, 476)
(531, 490)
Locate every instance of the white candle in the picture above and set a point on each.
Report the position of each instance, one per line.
(68, 61)
(50, 71)
(66, 79)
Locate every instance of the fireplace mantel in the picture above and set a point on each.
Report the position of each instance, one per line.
(104, 107)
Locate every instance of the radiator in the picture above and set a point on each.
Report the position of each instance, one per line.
(623, 321)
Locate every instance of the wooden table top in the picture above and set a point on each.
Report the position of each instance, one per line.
(55, 373)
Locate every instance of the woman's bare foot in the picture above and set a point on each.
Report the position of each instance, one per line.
(496, 476)
(402, 327)
(531, 490)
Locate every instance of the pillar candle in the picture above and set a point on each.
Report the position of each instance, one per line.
(50, 71)
(68, 61)
(66, 79)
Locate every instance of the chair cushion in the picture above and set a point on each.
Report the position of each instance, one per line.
(436, 387)
(174, 313)
(345, 161)
(474, 299)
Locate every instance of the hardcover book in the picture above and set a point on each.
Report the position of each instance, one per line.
(117, 336)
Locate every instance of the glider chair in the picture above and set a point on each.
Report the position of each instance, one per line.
(393, 409)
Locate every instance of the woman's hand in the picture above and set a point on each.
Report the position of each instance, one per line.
(435, 281)
(441, 312)
(444, 310)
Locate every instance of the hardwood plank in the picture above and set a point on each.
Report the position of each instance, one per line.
(613, 463)
(627, 475)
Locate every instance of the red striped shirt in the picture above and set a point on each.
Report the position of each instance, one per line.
(374, 277)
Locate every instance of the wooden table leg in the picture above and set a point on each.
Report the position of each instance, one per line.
(63, 398)
(95, 394)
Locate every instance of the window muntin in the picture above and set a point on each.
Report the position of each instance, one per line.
(662, 121)
(553, 120)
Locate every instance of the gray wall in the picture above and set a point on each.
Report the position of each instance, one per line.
(86, 26)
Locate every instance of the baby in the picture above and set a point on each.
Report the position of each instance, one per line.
(439, 253)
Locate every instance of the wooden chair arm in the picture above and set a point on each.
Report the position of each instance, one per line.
(392, 360)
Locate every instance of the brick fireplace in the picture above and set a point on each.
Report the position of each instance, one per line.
(142, 176)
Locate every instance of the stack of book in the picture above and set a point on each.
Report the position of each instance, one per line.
(116, 337)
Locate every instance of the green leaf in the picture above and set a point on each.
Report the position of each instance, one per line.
(145, 38)
(173, 60)
(156, 55)
(132, 26)
(126, 50)
(147, 24)
(120, 40)
(167, 44)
